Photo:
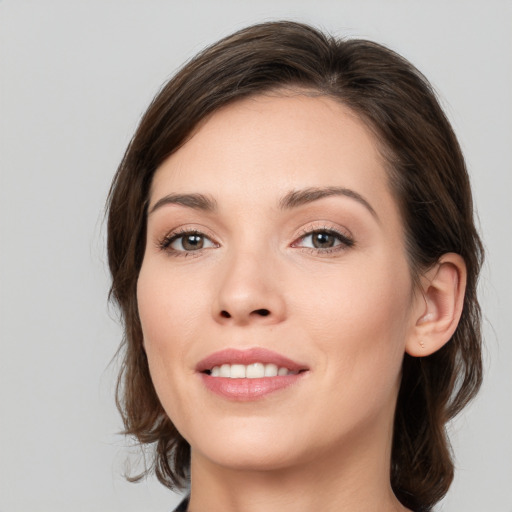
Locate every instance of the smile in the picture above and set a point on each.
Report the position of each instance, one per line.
(250, 371)
(245, 375)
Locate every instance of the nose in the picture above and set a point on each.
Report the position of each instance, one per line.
(249, 291)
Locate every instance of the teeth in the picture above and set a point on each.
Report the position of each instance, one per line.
(225, 370)
(255, 371)
(271, 370)
(250, 371)
(238, 371)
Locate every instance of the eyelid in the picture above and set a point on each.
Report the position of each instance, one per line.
(183, 236)
(344, 236)
(164, 242)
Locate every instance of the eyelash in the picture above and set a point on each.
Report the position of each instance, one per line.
(345, 242)
(165, 243)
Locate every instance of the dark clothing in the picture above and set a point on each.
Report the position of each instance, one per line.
(182, 507)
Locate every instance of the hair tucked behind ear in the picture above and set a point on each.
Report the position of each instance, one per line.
(427, 175)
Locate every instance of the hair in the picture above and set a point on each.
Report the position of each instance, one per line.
(427, 176)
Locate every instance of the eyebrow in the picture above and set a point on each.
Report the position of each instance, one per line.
(297, 198)
(195, 201)
(291, 200)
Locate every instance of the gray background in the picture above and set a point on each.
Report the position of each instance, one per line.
(75, 78)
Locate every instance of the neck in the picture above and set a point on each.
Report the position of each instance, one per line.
(354, 479)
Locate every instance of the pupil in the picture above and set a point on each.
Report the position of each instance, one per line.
(192, 242)
(323, 240)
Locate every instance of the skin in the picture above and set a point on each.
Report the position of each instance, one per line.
(348, 313)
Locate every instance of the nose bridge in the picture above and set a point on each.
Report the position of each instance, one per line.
(249, 289)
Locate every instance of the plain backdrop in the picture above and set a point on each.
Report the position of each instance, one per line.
(75, 78)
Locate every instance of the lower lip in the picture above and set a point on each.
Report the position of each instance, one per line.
(249, 389)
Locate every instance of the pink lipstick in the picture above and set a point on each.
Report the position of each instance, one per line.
(248, 374)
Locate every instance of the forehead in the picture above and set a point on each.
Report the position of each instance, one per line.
(264, 146)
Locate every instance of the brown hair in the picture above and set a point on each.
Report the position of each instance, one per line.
(427, 175)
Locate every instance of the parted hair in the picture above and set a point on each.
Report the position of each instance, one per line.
(429, 180)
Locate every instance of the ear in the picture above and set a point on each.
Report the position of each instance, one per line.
(438, 311)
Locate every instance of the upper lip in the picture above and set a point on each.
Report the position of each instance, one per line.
(246, 357)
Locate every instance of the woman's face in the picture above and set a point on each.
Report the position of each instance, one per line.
(274, 242)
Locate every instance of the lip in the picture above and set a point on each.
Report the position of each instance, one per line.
(249, 389)
(249, 356)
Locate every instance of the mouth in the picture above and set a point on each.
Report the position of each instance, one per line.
(254, 363)
(250, 371)
(249, 374)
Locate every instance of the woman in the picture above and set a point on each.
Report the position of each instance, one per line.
(292, 247)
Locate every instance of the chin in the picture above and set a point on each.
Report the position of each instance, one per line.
(246, 458)
(249, 448)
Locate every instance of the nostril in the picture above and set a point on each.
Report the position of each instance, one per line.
(262, 312)
(259, 312)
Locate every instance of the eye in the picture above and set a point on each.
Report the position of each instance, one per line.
(186, 241)
(324, 240)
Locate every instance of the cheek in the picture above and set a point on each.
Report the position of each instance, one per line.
(168, 319)
(168, 307)
(359, 322)
(359, 334)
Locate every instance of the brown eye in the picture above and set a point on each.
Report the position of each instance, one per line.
(323, 240)
(187, 242)
(192, 242)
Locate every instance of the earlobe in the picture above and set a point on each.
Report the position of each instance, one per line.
(440, 306)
